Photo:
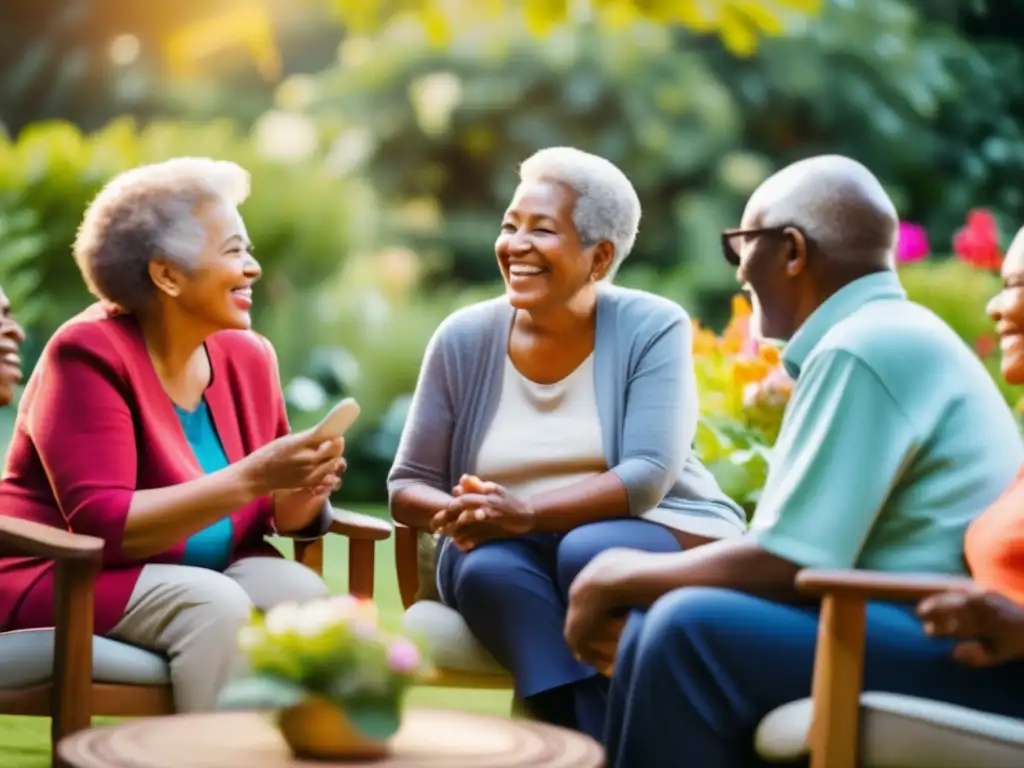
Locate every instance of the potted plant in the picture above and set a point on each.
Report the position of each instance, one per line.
(333, 677)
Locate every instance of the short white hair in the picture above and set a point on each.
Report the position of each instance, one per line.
(837, 202)
(146, 213)
(607, 206)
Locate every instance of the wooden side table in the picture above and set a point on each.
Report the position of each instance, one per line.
(431, 738)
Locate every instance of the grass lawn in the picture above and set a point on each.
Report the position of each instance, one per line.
(25, 741)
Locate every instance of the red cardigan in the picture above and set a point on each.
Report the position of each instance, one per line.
(95, 425)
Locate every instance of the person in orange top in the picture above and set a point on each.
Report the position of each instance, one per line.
(988, 618)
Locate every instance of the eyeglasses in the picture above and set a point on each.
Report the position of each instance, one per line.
(733, 238)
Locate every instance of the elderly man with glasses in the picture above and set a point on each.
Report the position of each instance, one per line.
(895, 439)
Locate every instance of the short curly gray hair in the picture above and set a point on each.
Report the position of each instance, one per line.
(150, 212)
(607, 206)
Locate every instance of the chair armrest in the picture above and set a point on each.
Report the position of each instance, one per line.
(839, 656)
(24, 537)
(356, 525)
(877, 585)
(78, 559)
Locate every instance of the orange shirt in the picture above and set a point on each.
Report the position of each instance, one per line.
(994, 544)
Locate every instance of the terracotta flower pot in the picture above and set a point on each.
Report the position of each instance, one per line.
(317, 729)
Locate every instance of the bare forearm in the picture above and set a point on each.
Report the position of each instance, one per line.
(602, 497)
(738, 564)
(161, 517)
(416, 505)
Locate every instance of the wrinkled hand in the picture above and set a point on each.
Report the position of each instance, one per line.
(990, 626)
(299, 461)
(596, 598)
(296, 508)
(481, 511)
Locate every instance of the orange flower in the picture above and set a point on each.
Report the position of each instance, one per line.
(704, 341)
(769, 355)
(741, 306)
(748, 370)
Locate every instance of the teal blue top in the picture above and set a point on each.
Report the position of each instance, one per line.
(895, 438)
(211, 547)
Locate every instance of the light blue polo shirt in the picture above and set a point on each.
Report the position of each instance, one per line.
(894, 439)
(210, 547)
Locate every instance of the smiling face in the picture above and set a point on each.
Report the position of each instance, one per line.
(11, 339)
(771, 267)
(540, 254)
(217, 292)
(1007, 310)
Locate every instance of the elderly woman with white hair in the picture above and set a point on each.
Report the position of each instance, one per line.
(553, 423)
(155, 422)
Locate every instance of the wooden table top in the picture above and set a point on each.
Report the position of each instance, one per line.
(429, 737)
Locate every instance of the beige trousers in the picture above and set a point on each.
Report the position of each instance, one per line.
(193, 615)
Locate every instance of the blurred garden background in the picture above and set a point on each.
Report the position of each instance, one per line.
(383, 138)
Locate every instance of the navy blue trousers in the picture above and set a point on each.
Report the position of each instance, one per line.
(697, 671)
(513, 593)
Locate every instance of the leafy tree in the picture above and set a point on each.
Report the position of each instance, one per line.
(739, 23)
(440, 130)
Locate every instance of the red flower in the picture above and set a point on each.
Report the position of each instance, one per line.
(985, 345)
(978, 241)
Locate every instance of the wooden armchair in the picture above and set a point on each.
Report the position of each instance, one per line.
(69, 675)
(842, 727)
(459, 659)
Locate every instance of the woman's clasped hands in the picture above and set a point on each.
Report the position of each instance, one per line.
(300, 471)
(481, 511)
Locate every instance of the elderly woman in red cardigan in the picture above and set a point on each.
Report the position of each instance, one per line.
(155, 421)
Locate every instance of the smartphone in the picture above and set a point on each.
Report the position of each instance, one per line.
(336, 423)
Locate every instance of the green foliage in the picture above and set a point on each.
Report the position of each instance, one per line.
(441, 132)
(260, 692)
(740, 23)
(303, 217)
(900, 87)
(958, 293)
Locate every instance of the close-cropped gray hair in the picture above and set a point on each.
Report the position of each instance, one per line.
(607, 206)
(146, 213)
(838, 202)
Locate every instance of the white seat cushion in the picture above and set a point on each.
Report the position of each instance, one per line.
(903, 732)
(449, 642)
(26, 659)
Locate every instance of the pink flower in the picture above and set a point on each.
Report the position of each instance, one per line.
(403, 656)
(912, 243)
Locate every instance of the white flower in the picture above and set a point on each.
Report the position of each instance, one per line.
(282, 619)
(315, 618)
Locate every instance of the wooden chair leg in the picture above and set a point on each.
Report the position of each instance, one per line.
(311, 554)
(72, 650)
(360, 567)
(838, 677)
(407, 563)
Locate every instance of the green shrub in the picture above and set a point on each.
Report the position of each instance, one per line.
(303, 219)
(958, 293)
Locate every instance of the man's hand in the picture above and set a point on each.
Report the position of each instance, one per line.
(481, 511)
(596, 597)
(990, 626)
